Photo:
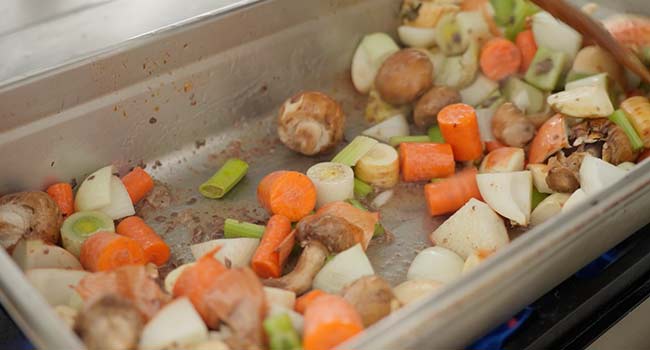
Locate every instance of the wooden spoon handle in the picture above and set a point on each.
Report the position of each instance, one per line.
(588, 27)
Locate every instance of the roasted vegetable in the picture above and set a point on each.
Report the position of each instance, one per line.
(510, 126)
(373, 298)
(404, 76)
(32, 215)
(428, 106)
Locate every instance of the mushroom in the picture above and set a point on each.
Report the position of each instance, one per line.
(430, 104)
(511, 126)
(33, 215)
(373, 298)
(404, 76)
(111, 322)
(311, 123)
(320, 235)
(564, 172)
(603, 139)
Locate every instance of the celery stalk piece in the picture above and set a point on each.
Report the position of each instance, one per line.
(355, 203)
(354, 151)
(545, 70)
(237, 229)
(536, 198)
(522, 10)
(281, 334)
(396, 140)
(620, 118)
(435, 135)
(225, 179)
(361, 189)
(503, 11)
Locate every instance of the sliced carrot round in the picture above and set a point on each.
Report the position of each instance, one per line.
(287, 193)
(500, 58)
(105, 251)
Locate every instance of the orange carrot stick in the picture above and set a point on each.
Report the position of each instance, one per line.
(61, 193)
(105, 251)
(528, 47)
(500, 58)
(287, 193)
(425, 161)
(138, 183)
(155, 249)
(305, 300)
(448, 195)
(492, 145)
(329, 321)
(551, 137)
(266, 261)
(459, 127)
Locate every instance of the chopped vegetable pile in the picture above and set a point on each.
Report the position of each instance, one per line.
(502, 115)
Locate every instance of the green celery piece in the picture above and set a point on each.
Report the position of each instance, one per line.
(224, 179)
(537, 198)
(620, 118)
(397, 140)
(361, 189)
(237, 229)
(435, 135)
(545, 70)
(281, 334)
(355, 203)
(355, 150)
(522, 10)
(535, 97)
(503, 11)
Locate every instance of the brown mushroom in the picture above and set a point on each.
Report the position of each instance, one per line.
(311, 123)
(111, 322)
(32, 215)
(564, 172)
(430, 104)
(603, 139)
(320, 235)
(510, 126)
(373, 298)
(404, 76)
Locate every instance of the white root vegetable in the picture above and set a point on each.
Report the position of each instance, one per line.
(582, 102)
(509, 194)
(574, 200)
(459, 71)
(35, 254)
(280, 297)
(594, 60)
(234, 252)
(393, 126)
(173, 275)
(627, 166)
(540, 172)
(56, 285)
(414, 290)
(503, 160)
(175, 325)
(334, 182)
(370, 54)
(343, 268)
(417, 37)
(473, 227)
(598, 80)
(481, 89)
(436, 264)
(95, 191)
(596, 175)
(473, 261)
(379, 167)
(121, 205)
(381, 199)
(548, 208)
(556, 35)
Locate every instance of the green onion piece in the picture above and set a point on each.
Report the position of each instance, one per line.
(237, 229)
(522, 10)
(503, 11)
(281, 334)
(358, 148)
(379, 230)
(355, 203)
(361, 189)
(435, 135)
(620, 118)
(396, 140)
(224, 179)
(537, 198)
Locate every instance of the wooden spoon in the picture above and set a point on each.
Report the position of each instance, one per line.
(588, 27)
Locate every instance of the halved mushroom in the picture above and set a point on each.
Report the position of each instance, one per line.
(373, 298)
(33, 215)
(603, 139)
(111, 322)
(430, 104)
(510, 126)
(404, 76)
(311, 123)
(564, 172)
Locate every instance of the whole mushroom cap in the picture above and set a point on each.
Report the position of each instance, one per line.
(404, 76)
(29, 215)
(311, 123)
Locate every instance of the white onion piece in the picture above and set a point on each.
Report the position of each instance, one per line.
(35, 254)
(472, 262)
(481, 89)
(393, 126)
(576, 198)
(540, 172)
(334, 182)
(121, 205)
(582, 102)
(484, 118)
(175, 325)
(627, 166)
(379, 167)
(280, 297)
(596, 175)
(237, 251)
(556, 35)
(417, 37)
(382, 198)
(598, 80)
(95, 190)
(346, 267)
(414, 290)
(173, 275)
(369, 56)
(548, 208)
(56, 285)
(436, 264)
(296, 319)
(509, 194)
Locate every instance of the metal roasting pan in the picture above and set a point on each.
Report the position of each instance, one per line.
(184, 98)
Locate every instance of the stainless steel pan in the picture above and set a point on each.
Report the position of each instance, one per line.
(184, 98)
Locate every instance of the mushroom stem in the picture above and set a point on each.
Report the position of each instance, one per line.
(300, 279)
